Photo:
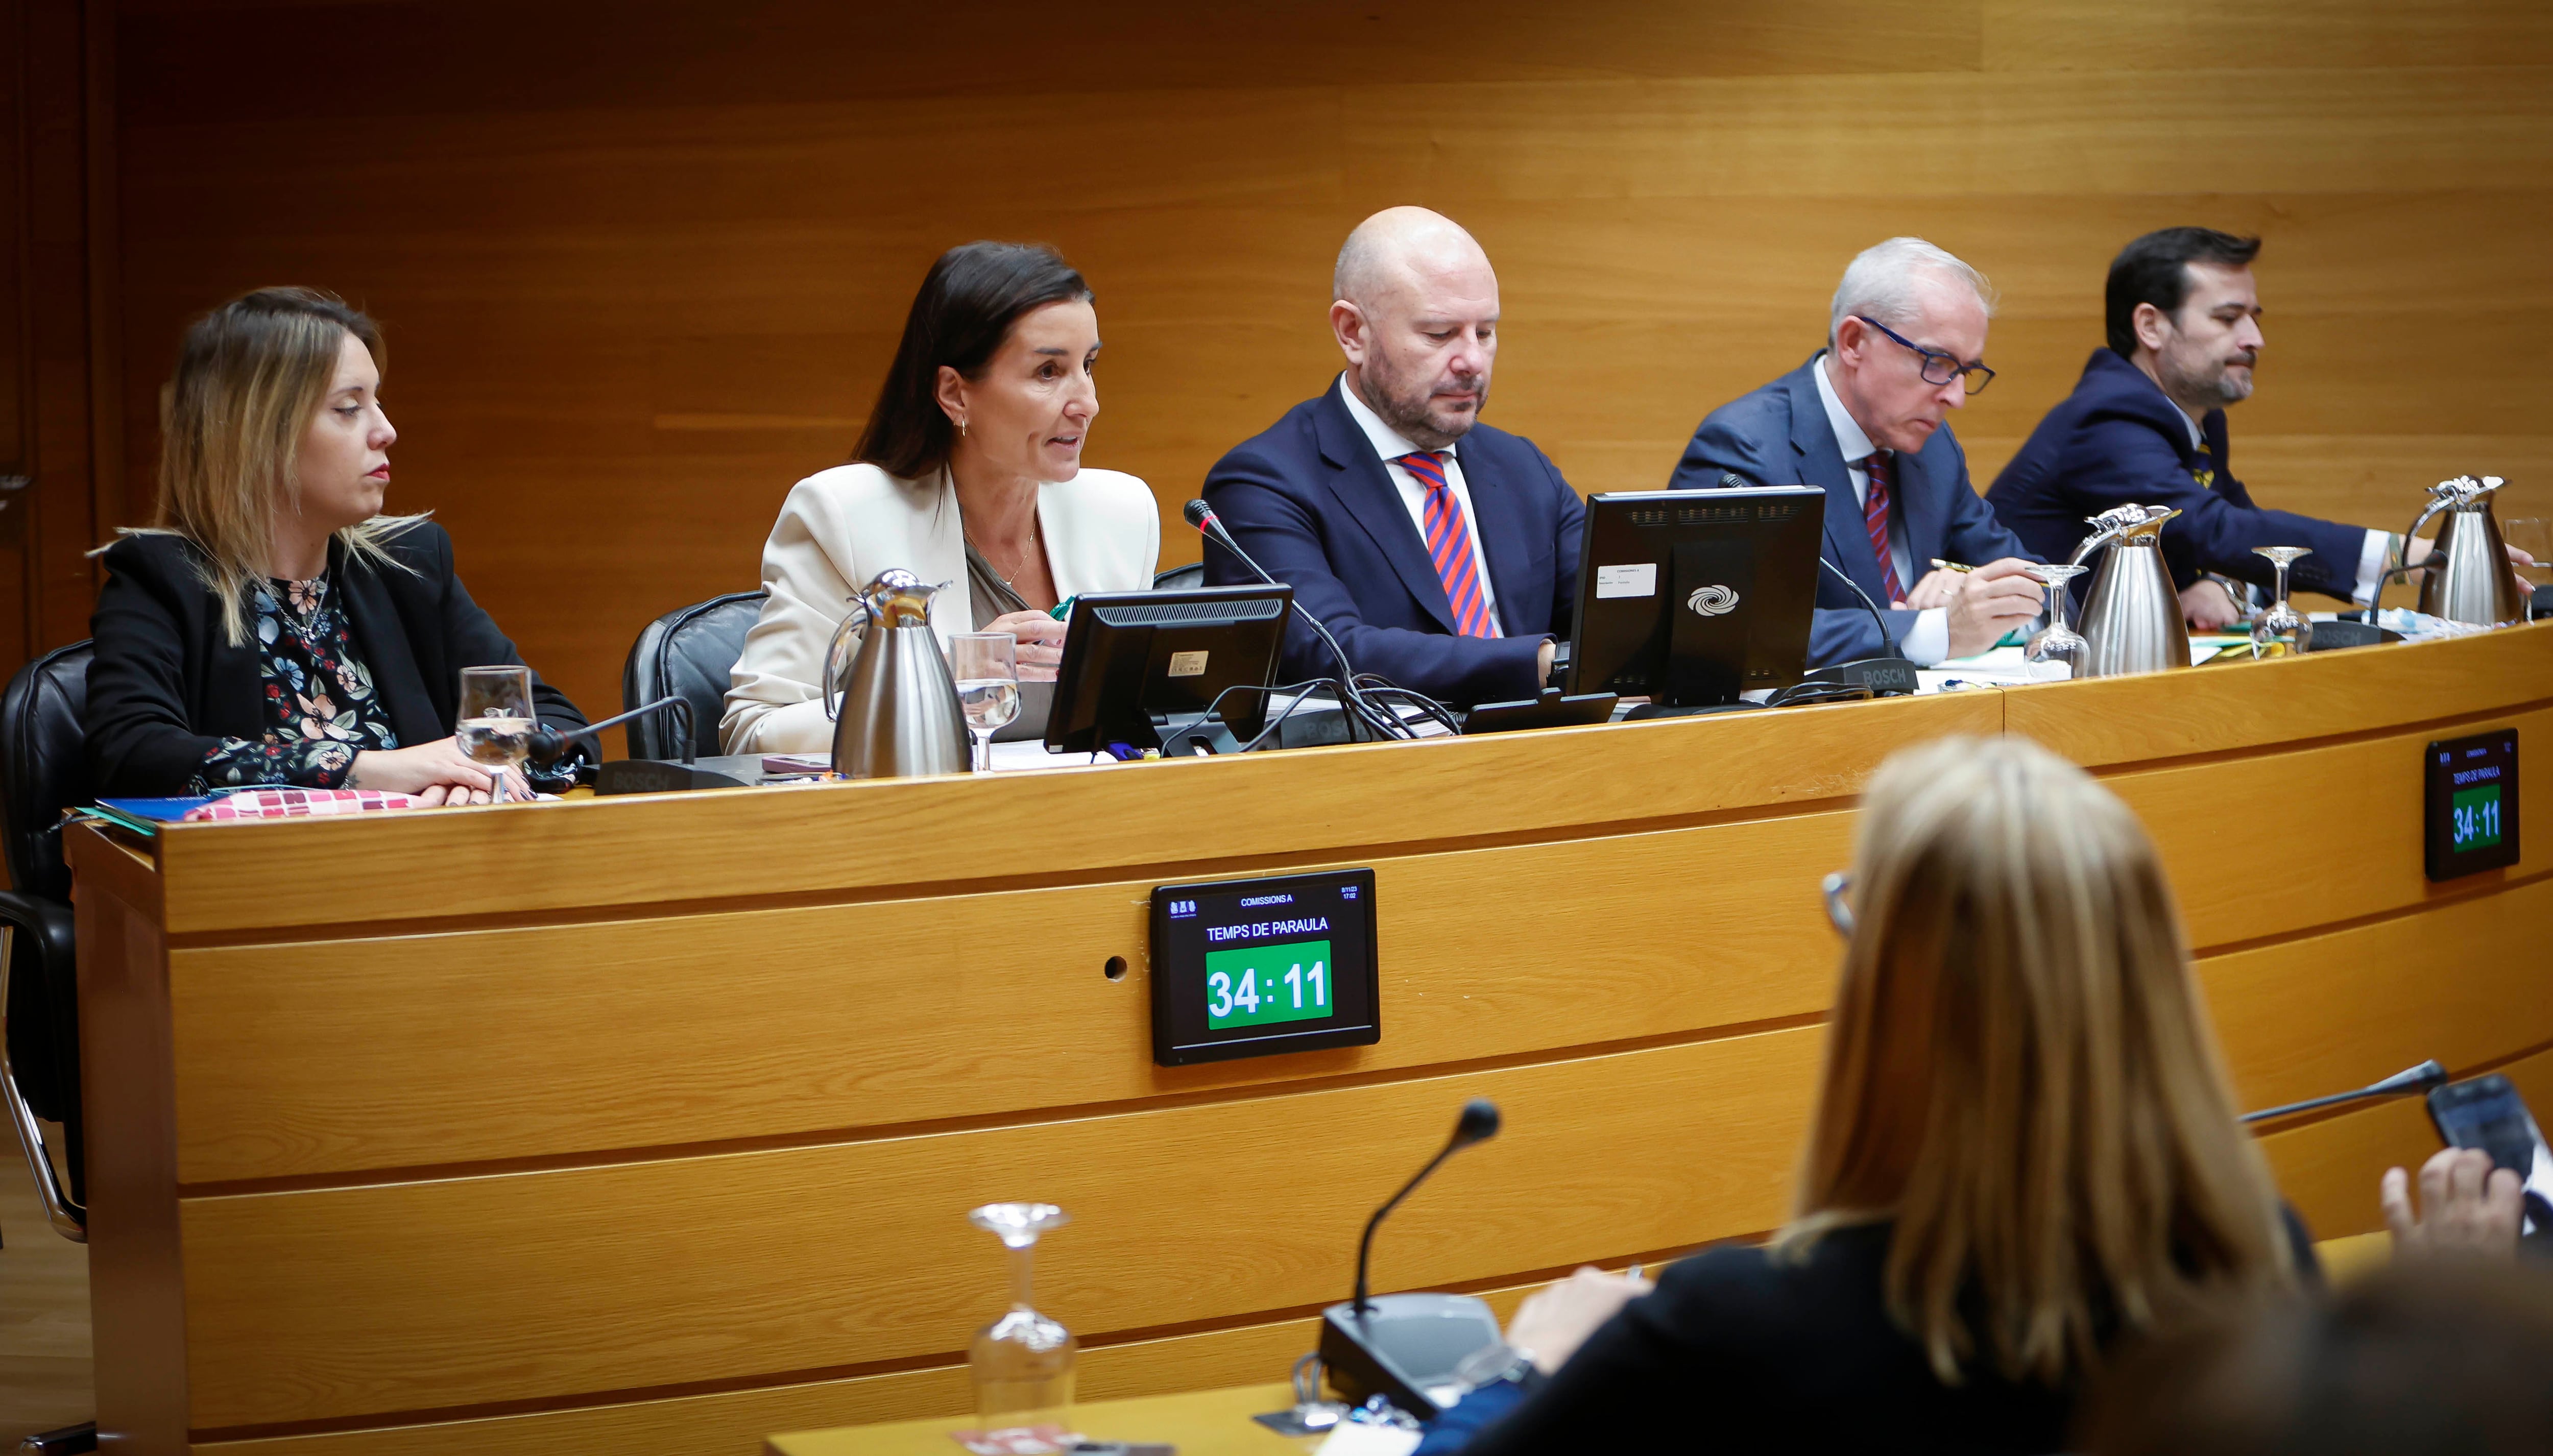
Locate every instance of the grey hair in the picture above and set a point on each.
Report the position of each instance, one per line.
(1883, 283)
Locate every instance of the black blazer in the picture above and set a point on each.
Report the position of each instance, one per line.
(167, 686)
(1759, 1353)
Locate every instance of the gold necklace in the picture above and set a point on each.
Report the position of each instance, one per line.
(1017, 562)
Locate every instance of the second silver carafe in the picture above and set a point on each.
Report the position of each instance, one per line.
(2132, 620)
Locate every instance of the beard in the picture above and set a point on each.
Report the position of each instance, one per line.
(2213, 380)
(1403, 406)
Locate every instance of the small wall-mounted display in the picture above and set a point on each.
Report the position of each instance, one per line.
(1259, 968)
(2472, 803)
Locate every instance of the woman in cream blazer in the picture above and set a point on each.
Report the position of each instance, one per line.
(969, 474)
(842, 527)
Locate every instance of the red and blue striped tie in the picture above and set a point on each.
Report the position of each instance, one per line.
(1449, 544)
(1874, 519)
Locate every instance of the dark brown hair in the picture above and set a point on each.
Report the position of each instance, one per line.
(2154, 269)
(968, 301)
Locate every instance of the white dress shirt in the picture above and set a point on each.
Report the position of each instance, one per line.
(1929, 640)
(1389, 444)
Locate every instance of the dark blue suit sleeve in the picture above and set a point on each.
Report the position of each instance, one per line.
(1271, 521)
(2119, 461)
(1841, 630)
(1567, 545)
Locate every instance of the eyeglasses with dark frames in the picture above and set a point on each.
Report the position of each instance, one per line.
(1939, 367)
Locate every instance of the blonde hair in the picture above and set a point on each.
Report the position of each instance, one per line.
(2020, 1076)
(250, 377)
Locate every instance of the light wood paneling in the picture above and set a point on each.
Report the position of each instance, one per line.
(864, 1016)
(2227, 708)
(632, 299)
(1021, 830)
(406, 1296)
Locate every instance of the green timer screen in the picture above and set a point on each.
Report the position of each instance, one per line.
(1259, 968)
(2472, 804)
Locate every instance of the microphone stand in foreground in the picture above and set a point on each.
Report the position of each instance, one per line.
(1407, 1347)
(2408, 1083)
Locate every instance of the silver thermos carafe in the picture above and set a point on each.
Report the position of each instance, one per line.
(899, 712)
(2132, 621)
(2468, 576)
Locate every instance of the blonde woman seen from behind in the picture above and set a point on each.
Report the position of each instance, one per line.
(2023, 1150)
(970, 475)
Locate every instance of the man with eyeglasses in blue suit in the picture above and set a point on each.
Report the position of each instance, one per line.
(1866, 420)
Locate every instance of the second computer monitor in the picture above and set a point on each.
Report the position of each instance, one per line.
(1690, 598)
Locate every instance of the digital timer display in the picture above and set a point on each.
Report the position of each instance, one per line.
(1267, 983)
(1259, 968)
(2472, 804)
(2476, 817)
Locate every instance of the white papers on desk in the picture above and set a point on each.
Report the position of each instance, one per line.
(1997, 667)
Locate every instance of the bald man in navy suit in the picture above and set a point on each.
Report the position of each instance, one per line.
(1442, 553)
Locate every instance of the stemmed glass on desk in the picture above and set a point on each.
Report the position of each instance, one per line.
(986, 667)
(496, 722)
(2056, 642)
(1022, 1362)
(2277, 622)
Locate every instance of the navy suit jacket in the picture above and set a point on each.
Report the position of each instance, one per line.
(2118, 438)
(1779, 436)
(1314, 504)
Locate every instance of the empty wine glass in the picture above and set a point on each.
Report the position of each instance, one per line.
(2277, 622)
(1022, 1362)
(495, 725)
(2056, 642)
(986, 666)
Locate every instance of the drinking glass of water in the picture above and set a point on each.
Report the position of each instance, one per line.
(496, 722)
(986, 666)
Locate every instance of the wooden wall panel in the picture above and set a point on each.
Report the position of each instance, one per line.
(402, 1297)
(639, 278)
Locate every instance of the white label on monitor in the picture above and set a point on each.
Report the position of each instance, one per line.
(1187, 664)
(1627, 581)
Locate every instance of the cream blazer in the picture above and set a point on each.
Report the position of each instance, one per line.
(841, 527)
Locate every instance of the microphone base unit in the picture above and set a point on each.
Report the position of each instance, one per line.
(658, 776)
(1885, 677)
(1404, 1348)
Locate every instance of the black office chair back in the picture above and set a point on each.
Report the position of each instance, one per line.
(43, 768)
(687, 651)
(1179, 578)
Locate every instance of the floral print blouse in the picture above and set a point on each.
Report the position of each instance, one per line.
(320, 707)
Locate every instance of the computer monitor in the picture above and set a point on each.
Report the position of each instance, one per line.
(1142, 668)
(1690, 598)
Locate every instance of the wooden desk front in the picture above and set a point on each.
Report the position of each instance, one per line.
(649, 1123)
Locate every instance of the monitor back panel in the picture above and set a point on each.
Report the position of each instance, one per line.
(1696, 596)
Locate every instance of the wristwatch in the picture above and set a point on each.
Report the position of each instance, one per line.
(1492, 1364)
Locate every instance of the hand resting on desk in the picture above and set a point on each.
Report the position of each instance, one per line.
(435, 773)
(1555, 1320)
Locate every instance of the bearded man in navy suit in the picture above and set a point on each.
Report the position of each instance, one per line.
(1866, 420)
(2147, 424)
(1441, 553)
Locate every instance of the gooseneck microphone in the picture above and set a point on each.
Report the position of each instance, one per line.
(1407, 1347)
(1202, 516)
(550, 745)
(1479, 1123)
(2409, 1081)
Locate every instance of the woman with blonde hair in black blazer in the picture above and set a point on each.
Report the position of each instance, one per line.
(274, 626)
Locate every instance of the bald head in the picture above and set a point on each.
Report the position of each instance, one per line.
(1389, 249)
(1416, 312)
